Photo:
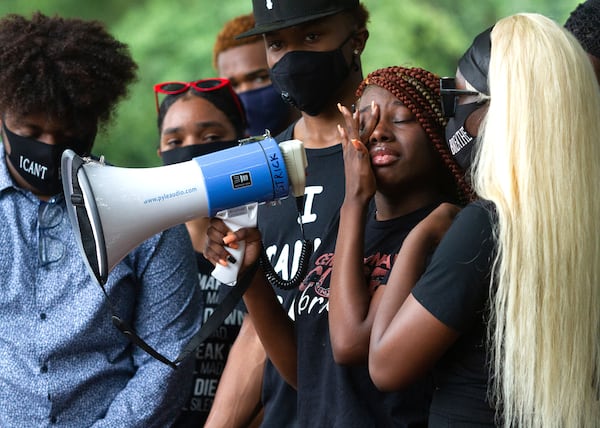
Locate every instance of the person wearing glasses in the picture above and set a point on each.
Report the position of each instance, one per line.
(506, 312)
(313, 52)
(63, 362)
(244, 63)
(584, 23)
(194, 119)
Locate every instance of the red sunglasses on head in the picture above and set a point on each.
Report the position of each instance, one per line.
(202, 85)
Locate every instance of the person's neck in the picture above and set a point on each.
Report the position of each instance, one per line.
(318, 132)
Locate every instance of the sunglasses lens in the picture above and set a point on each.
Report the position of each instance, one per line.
(447, 83)
(448, 105)
(209, 84)
(172, 87)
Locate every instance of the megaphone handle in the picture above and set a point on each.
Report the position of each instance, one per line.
(235, 219)
(228, 274)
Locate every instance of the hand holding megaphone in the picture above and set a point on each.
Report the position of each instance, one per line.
(223, 243)
(246, 215)
(235, 218)
(114, 209)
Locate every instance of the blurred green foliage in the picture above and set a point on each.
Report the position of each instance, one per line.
(173, 40)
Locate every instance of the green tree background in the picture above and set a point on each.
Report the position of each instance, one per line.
(173, 40)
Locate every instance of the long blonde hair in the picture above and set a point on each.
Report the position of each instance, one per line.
(539, 162)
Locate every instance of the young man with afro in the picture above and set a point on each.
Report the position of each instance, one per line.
(62, 361)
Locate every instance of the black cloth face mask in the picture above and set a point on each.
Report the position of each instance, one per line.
(265, 109)
(459, 141)
(308, 79)
(36, 162)
(187, 153)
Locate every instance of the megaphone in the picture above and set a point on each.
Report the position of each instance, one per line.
(114, 209)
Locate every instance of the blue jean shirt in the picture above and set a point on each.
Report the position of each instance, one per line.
(62, 362)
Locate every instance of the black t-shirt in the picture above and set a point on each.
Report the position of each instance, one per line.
(455, 289)
(333, 395)
(211, 355)
(282, 240)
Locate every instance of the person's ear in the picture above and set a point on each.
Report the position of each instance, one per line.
(158, 153)
(359, 40)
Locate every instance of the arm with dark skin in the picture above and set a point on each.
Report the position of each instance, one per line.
(275, 329)
(351, 305)
(237, 401)
(406, 339)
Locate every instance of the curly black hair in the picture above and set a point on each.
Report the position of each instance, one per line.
(66, 68)
(584, 23)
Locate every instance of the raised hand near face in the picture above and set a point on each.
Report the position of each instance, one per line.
(360, 180)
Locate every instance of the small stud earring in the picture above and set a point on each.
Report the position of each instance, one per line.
(356, 51)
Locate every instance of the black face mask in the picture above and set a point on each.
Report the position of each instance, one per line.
(264, 110)
(459, 141)
(307, 79)
(186, 153)
(36, 162)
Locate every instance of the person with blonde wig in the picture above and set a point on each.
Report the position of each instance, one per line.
(528, 250)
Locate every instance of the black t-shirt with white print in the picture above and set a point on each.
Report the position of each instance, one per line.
(332, 395)
(282, 237)
(211, 355)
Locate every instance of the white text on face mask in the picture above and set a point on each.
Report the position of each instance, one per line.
(32, 167)
(460, 139)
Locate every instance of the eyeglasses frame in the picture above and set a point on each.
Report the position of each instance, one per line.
(449, 93)
(45, 236)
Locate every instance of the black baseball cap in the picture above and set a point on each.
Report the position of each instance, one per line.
(271, 15)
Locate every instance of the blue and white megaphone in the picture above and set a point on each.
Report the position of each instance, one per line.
(114, 209)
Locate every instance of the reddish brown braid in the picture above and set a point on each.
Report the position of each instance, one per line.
(419, 91)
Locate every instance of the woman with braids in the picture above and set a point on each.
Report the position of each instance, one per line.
(63, 362)
(394, 154)
(507, 311)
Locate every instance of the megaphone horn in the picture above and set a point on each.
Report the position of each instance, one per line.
(114, 209)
